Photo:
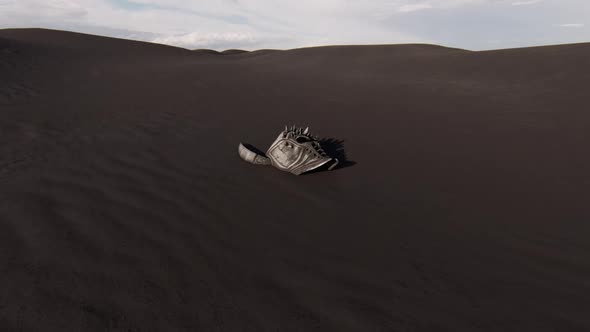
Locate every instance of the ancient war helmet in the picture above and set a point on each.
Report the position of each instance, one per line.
(295, 150)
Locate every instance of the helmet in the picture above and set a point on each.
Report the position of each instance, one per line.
(295, 150)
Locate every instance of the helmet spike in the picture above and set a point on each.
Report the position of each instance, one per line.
(306, 131)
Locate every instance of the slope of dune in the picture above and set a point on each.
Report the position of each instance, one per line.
(462, 203)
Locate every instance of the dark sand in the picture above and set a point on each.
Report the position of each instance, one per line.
(463, 206)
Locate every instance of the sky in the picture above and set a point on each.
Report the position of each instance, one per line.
(282, 24)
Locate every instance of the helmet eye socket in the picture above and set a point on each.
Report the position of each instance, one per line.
(302, 139)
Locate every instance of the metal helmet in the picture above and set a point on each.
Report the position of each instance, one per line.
(295, 150)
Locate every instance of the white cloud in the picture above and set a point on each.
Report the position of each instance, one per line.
(414, 7)
(15, 10)
(525, 2)
(207, 40)
(571, 25)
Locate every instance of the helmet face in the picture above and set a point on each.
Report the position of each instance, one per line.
(286, 153)
(297, 151)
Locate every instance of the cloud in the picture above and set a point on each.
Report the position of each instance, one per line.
(411, 6)
(414, 7)
(525, 2)
(207, 40)
(49, 10)
(571, 25)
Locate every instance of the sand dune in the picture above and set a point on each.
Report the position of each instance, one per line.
(462, 204)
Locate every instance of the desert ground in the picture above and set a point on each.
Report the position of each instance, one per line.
(462, 202)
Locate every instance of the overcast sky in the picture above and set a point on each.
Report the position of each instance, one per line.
(255, 24)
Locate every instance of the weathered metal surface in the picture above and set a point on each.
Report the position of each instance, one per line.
(251, 156)
(295, 150)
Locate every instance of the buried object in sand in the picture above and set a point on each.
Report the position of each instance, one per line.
(295, 150)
